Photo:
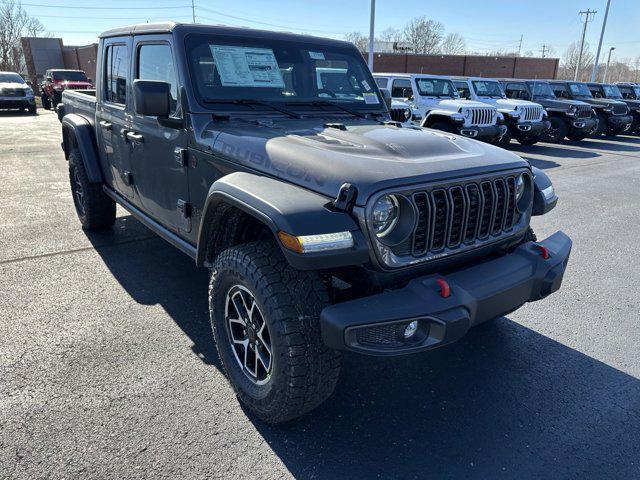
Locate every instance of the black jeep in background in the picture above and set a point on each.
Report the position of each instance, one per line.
(612, 92)
(572, 119)
(326, 226)
(613, 115)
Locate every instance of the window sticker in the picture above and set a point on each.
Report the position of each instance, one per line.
(247, 66)
(366, 85)
(316, 55)
(370, 98)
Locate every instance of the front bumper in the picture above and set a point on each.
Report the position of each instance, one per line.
(617, 122)
(17, 102)
(489, 134)
(584, 124)
(375, 325)
(530, 129)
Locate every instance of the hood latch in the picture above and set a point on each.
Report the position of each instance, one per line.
(346, 198)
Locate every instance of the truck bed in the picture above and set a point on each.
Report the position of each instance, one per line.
(80, 102)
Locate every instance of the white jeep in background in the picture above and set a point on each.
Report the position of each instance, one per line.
(526, 121)
(436, 99)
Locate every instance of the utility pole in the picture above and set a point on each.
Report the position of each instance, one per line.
(372, 22)
(606, 68)
(544, 49)
(604, 24)
(520, 45)
(584, 33)
(193, 11)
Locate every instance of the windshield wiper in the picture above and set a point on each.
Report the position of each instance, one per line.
(250, 102)
(325, 103)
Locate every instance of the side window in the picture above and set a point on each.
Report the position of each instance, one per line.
(116, 73)
(382, 82)
(560, 91)
(401, 88)
(515, 90)
(463, 89)
(155, 62)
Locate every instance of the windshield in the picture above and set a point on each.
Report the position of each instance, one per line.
(542, 90)
(436, 87)
(232, 69)
(612, 91)
(488, 89)
(11, 78)
(69, 76)
(580, 90)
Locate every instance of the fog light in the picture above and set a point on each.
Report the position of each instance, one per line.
(411, 329)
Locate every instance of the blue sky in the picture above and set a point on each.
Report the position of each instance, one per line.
(486, 24)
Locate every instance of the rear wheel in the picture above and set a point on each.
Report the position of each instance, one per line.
(528, 140)
(505, 140)
(265, 321)
(94, 208)
(557, 131)
(576, 136)
(46, 101)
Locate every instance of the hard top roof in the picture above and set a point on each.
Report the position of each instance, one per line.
(169, 27)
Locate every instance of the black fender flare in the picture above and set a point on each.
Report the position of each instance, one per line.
(542, 203)
(438, 115)
(76, 128)
(284, 207)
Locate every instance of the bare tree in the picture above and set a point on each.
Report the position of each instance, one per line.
(391, 35)
(570, 61)
(15, 23)
(425, 35)
(359, 40)
(453, 44)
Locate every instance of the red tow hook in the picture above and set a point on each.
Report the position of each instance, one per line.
(544, 252)
(445, 289)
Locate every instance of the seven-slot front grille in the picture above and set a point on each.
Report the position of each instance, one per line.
(584, 111)
(448, 218)
(397, 114)
(12, 92)
(482, 116)
(531, 114)
(619, 109)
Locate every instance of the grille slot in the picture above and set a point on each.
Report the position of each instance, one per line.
(482, 116)
(397, 114)
(584, 111)
(619, 110)
(531, 114)
(463, 214)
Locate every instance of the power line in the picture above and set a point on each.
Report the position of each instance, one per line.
(101, 8)
(584, 33)
(544, 50)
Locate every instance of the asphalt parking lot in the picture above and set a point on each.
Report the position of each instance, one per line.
(107, 367)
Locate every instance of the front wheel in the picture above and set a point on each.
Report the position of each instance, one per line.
(577, 136)
(528, 140)
(33, 109)
(601, 128)
(46, 101)
(505, 140)
(557, 131)
(265, 321)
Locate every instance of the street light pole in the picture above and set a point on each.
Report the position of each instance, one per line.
(604, 24)
(372, 21)
(606, 68)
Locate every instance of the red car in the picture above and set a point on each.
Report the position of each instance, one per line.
(57, 80)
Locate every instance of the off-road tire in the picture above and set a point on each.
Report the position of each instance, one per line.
(601, 128)
(443, 126)
(530, 236)
(528, 141)
(557, 131)
(577, 136)
(46, 102)
(33, 109)
(304, 371)
(97, 211)
(505, 140)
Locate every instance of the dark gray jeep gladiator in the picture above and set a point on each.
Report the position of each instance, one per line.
(612, 92)
(572, 119)
(613, 115)
(327, 226)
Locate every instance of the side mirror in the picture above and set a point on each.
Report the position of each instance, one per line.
(387, 97)
(152, 98)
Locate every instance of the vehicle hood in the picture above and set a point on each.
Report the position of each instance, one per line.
(602, 102)
(511, 103)
(15, 85)
(370, 156)
(559, 103)
(456, 104)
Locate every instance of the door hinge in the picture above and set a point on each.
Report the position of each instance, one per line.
(181, 156)
(184, 208)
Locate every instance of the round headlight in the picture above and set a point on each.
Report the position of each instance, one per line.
(385, 215)
(407, 114)
(520, 185)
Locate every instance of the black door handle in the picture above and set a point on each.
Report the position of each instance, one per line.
(134, 137)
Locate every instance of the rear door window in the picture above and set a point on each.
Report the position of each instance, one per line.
(116, 74)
